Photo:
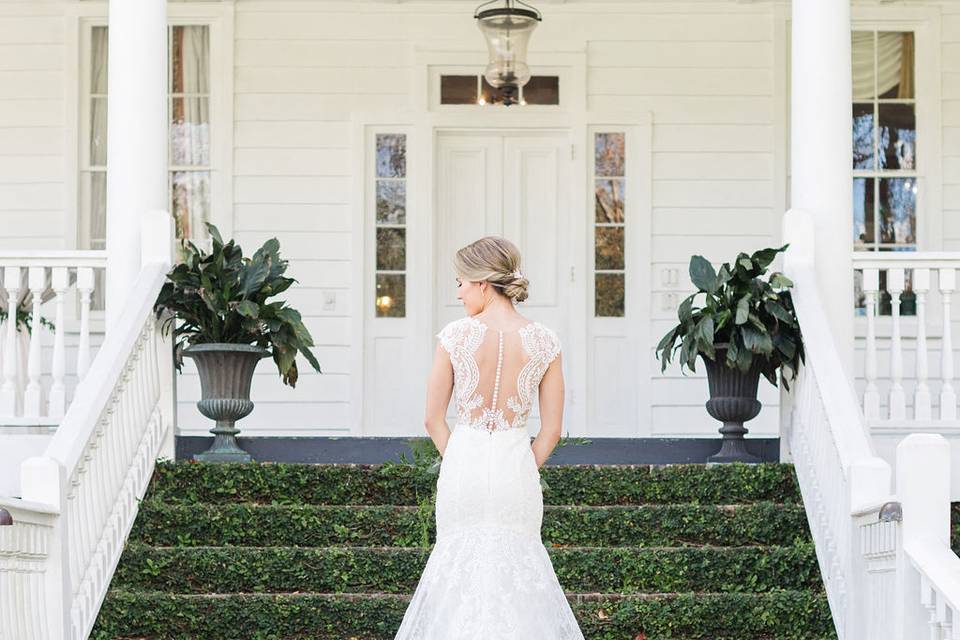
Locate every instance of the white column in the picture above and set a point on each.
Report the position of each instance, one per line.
(137, 140)
(821, 151)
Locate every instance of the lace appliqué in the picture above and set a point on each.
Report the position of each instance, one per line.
(461, 338)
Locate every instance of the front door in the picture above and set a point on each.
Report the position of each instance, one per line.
(515, 185)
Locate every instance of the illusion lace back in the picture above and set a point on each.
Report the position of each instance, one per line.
(489, 576)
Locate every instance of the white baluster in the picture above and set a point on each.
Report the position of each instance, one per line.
(85, 287)
(943, 619)
(921, 398)
(954, 624)
(8, 393)
(31, 397)
(58, 400)
(897, 400)
(948, 397)
(871, 395)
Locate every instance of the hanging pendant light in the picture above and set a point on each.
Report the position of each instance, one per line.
(507, 30)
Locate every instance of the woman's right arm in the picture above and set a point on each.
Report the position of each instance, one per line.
(439, 390)
(551, 411)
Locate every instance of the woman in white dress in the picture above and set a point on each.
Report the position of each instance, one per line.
(489, 576)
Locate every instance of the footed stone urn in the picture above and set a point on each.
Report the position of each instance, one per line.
(226, 372)
(733, 401)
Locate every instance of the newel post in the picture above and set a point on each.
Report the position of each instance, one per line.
(44, 480)
(923, 487)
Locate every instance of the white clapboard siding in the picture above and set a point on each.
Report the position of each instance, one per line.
(301, 245)
(44, 139)
(687, 110)
(680, 55)
(712, 166)
(32, 144)
(738, 221)
(950, 141)
(292, 217)
(33, 57)
(697, 82)
(707, 73)
(292, 162)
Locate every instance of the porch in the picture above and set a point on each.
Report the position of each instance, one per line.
(362, 136)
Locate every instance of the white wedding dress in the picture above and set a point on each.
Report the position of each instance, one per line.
(489, 576)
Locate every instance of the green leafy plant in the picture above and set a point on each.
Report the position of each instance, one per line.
(25, 319)
(221, 297)
(750, 316)
(426, 468)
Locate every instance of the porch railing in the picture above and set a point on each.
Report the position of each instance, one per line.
(885, 559)
(895, 393)
(33, 386)
(81, 496)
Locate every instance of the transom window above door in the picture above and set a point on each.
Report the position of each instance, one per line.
(475, 90)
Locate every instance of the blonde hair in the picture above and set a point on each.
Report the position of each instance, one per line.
(496, 260)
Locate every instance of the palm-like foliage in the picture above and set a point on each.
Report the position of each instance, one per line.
(221, 297)
(754, 317)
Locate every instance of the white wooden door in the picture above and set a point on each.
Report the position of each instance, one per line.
(514, 185)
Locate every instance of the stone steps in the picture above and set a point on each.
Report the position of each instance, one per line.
(333, 552)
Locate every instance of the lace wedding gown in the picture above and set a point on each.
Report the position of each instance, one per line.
(489, 576)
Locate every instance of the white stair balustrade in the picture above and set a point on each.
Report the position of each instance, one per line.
(40, 288)
(885, 557)
(81, 496)
(838, 472)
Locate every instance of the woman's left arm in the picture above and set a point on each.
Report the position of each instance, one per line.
(439, 390)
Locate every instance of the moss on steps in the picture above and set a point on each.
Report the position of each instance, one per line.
(333, 552)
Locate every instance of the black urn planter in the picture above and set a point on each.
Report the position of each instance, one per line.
(226, 372)
(733, 401)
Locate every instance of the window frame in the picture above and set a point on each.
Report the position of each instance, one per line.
(924, 23)
(566, 97)
(82, 19)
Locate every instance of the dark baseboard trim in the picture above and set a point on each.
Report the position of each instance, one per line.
(375, 450)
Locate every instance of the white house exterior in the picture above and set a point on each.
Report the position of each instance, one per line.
(294, 94)
(655, 131)
(283, 102)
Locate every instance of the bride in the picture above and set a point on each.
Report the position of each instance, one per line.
(489, 576)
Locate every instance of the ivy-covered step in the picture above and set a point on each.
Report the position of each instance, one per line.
(784, 615)
(254, 525)
(333, 552)
(359, 484)
(397, 569)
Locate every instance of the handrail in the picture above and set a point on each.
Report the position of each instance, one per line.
(836, 467)
(939, 565)
(81, 497)
(877, 259)
(54, 258)
(839, 397)
(92, 394)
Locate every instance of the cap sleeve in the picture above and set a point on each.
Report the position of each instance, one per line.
(553, 346)
(448, 336)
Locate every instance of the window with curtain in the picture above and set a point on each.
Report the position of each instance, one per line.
(884, 159)
(188, 88)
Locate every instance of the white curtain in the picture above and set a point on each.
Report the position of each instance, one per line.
(894, 64)
(97, 179)
(189, 135)
(190, 129)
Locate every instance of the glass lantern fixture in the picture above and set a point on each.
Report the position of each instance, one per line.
(507, 29)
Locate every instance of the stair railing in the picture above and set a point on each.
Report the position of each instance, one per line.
(886, 563)
(81, 497)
